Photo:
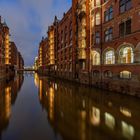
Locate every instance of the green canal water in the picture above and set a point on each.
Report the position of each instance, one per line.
(39, 108)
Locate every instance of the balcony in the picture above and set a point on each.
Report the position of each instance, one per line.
(81, 43)
(52, 62)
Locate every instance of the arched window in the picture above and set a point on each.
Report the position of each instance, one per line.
(98, 18)
(109, 57)
(96, 73)
(125, 75)
(126, 55)
(108, 74)
(96, 58)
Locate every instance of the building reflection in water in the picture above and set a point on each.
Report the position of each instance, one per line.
(127, 130)
(7, 102)
(36, 80)
(79, 113)
(109, 121)
(8, 95)
(125, 111)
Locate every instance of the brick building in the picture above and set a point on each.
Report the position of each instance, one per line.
(36, 63)
(115, 50)
(52, 47)
(42, 52)
(20, 61)
(64, 47)
(97, 42)
(42, 55)
(10, 60)
(13, 54)
(81, 37)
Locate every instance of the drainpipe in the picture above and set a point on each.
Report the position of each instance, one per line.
(101, 81)
(90, 43)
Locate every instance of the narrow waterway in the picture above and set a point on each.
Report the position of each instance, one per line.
(39, 108)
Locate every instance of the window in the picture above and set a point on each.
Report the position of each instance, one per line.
(83, 65)
(109, 57)
(108, 14)
(96, 73)
(97, 37)
(128, 27)
(125, 5)
(108, 74)
(108, 34)
(98, 2)
(125, 28)
(96, 58)
(92, 4)
(122, 29)
(125, 75)
(126, 55)
(98, 19)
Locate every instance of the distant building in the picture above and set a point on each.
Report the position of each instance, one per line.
(10, 59)
(42, 61)
(52, 45)
(64, 47)
(13, 54)
(20, 62)
(36, 63)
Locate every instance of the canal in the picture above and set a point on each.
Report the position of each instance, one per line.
(39, 108)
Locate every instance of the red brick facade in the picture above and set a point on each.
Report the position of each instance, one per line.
(98, 43)
(8, 53)
(64, 48)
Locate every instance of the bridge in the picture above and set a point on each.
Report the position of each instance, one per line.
(26, 69)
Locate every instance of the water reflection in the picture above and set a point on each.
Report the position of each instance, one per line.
(81, 113)
(8, 95)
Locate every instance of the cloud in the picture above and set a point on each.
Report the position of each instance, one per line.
(28, 21)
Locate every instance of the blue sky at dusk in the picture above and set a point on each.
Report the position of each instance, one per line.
(28, 21)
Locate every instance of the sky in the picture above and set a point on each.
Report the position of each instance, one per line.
(28, 21)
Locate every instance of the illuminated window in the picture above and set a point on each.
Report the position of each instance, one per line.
(96, 73)
(109, 57)
(98, 19)
(83, 65)
(96, 58)
(125, 75)
(98, 2)
(108, 74)
(92, 4)
(126, 55)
